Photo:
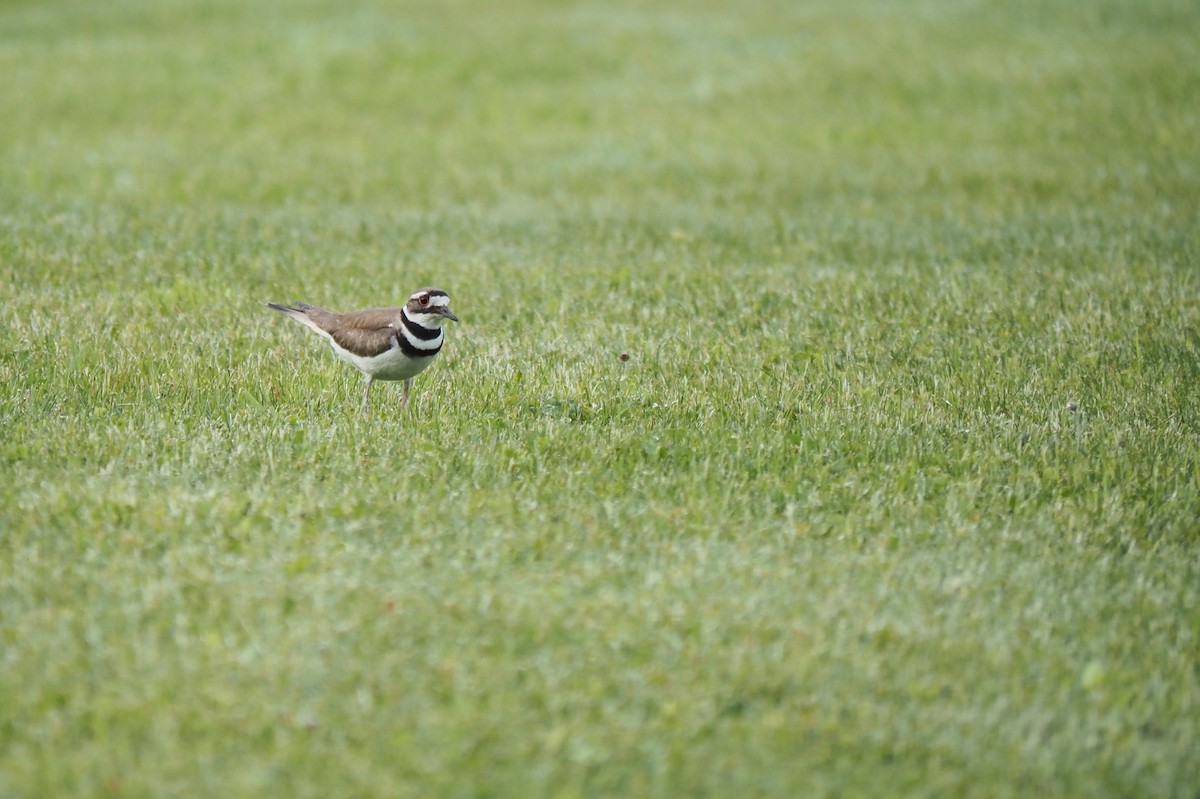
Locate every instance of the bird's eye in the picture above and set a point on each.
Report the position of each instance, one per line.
(423, 299)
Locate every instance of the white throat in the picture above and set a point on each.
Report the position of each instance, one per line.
(430, 320)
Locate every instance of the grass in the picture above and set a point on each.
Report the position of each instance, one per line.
(898, 491)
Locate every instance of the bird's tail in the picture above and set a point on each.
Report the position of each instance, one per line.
(298, 308)
(303, 313)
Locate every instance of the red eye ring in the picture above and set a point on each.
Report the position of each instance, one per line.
(423, 299)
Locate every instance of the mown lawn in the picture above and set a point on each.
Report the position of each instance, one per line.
(897, 493)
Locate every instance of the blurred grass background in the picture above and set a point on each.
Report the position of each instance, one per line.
(897, 491)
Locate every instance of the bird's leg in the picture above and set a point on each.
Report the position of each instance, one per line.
(367, 393)
(404, 399)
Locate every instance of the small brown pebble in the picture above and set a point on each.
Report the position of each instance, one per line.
(624, 356)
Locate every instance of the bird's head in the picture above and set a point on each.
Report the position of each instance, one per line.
(429, 307)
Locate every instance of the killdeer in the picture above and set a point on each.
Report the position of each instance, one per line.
(384, 343)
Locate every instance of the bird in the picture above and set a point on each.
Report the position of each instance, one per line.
(383, 343)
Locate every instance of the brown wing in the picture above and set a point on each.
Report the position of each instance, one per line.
(364, 333)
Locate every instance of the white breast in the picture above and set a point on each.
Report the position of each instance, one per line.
(392, 364)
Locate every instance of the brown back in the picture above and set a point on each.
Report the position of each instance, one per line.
(366, 333)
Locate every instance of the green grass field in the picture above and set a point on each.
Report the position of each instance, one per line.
(898, 493)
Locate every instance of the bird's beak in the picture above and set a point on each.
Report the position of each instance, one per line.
(446, 312)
